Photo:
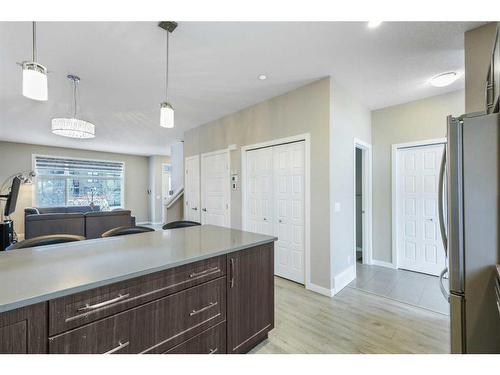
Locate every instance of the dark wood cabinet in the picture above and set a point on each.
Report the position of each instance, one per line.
(250, 297)
(211, 341)
(150, 328)
(24, 331)
(223, 304)
(81, 308)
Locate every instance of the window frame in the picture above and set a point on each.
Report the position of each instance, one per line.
(34, 194)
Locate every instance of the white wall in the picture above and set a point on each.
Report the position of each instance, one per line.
(349, 120)
(17, 157)
(414, 121)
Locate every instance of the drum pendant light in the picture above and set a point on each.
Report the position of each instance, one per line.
(72, 127)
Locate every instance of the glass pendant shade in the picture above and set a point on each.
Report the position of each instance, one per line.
(166, 115)
(35, 81)
(73, 128)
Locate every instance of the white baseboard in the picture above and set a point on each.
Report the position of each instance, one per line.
(381, 263)
(148, 223)
(343, 279)
(319, 289)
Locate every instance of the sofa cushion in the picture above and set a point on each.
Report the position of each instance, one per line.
(56, 223)
(96, 223)
(54, 216)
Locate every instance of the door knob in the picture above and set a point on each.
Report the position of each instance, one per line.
(280, 221)
(195, 208)
(204, 209)
(265, 219)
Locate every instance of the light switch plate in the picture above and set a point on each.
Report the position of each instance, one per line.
(336, 207)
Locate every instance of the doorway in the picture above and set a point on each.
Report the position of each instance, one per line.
(215, 184)
(166, 188)
(359, 204)
(362, 242)
(418, 246)
(192, 188)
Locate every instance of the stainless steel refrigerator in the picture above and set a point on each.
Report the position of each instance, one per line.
(469, 206)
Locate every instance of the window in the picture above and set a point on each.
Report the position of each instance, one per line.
(78, 182)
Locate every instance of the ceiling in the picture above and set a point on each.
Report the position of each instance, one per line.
(213, 72)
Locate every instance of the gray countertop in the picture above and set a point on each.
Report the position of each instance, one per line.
(37, 274)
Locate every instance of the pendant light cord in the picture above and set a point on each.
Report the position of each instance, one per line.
(34, 41)
(74, 97)
(166, 77)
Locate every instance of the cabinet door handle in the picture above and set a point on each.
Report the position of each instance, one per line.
(119, 347)
(105, 303)
(209, 306)
(231, 271)
(213, 351)
(201, 273)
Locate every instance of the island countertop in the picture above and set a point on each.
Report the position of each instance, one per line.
(38, 274)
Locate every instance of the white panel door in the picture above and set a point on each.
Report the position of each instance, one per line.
(215, 183)
(289, 168)
(192, 188)
(419, 244)
(259, 191)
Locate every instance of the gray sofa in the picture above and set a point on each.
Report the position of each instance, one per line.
(78, 220)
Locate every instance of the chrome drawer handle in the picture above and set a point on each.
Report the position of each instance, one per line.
(201, 273)
(213, 351)
(119, 347)
(105, 303)
(209, 306)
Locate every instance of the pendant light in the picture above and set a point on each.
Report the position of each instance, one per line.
(166, 109)
(73, 127)
(34, 76)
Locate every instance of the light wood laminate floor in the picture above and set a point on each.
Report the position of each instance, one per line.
(353, 321)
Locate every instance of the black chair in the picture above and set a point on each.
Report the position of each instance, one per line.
(123, 231)
(49, 239)
(180, 224)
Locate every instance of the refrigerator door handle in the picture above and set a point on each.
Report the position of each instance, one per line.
(445, 293)
(442, 224)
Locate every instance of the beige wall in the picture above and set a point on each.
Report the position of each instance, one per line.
(304, 110)
(414, 121)
(349, 120)
(17, 157)
(478, 45)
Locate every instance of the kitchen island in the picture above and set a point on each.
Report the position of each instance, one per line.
(203, 289)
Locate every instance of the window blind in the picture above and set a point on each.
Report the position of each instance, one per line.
(58, 166)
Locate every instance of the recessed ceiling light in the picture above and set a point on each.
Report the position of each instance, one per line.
(262, 77)
(443, 79)
(374, 24)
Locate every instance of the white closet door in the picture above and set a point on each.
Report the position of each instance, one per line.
(419, 244)
(215, 184)
(289, 169)
(259, 191)
(192, 188)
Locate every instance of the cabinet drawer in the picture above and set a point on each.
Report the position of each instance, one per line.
(151, 328)
(212, 341)
(78, 309)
